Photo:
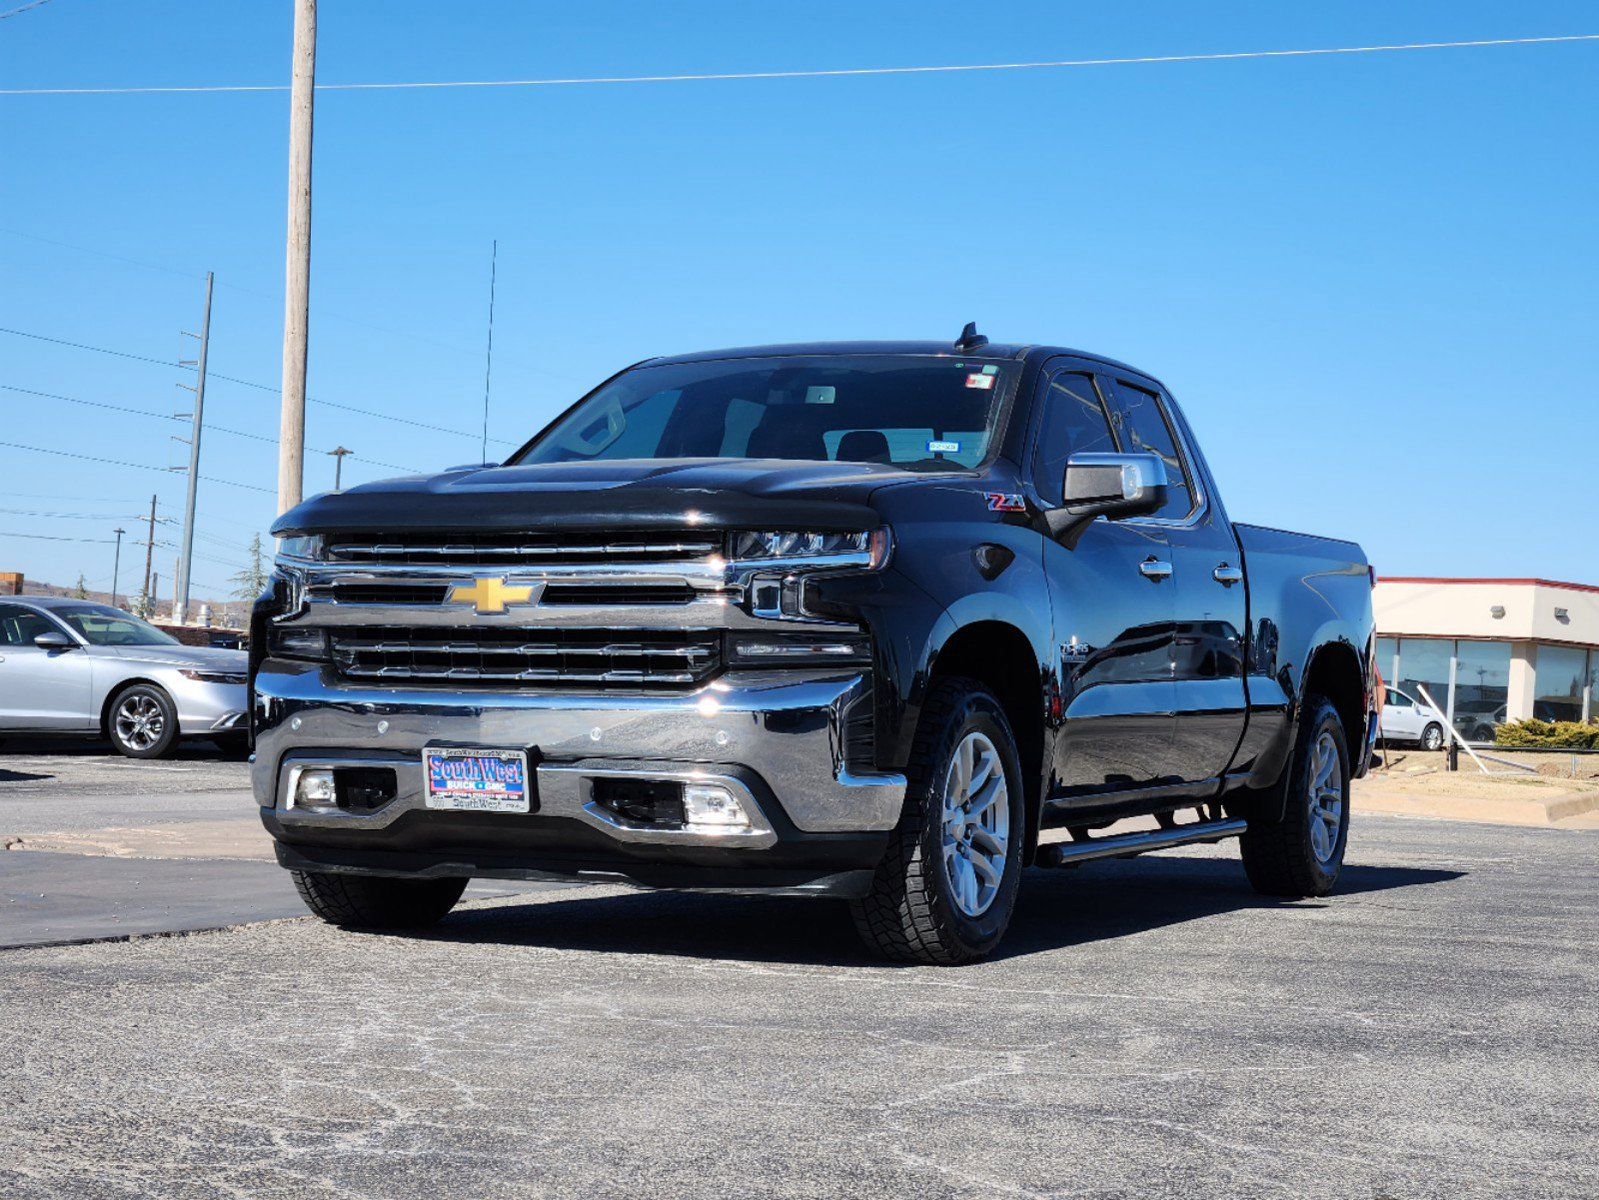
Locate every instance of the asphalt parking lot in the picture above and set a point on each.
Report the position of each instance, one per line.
(1151, 1029)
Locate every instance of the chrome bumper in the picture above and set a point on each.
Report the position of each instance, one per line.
(788, 733)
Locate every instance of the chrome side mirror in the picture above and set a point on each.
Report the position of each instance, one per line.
(1115, 486)
(54, 640)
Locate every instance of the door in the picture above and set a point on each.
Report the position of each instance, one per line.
(1211, 610)
(41, 689)
(1111, 597)
(1401, 718)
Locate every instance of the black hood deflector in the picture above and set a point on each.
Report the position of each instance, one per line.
(633, 494)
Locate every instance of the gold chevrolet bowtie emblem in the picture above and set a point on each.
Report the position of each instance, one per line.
(489, 595)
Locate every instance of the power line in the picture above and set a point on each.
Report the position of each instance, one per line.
(833, 73)
(409, 335)
(22, 8)
(113, 462)
(263, 387)
(50, 537)
(144, 412)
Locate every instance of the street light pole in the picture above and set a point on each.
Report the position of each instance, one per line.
(297, 271)
(116, 565)
(338, 453)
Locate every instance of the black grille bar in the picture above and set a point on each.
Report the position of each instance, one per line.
(611, 657)
(495, 549)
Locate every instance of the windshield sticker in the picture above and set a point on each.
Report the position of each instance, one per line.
(980, 380)
(943, 447)
(820, 394)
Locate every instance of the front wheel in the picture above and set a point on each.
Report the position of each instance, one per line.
(377, 901)
(946, 887)
(1301, 853)
(1432, 738)
(143, 722)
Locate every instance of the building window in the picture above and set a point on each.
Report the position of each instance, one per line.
(1558, 679)
(1482, 688)
(1388, 659)
(1424, 662)
(1482, 680)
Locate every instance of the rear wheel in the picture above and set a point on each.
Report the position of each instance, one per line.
(376, 901)
(143, 722)
(1301, 853)
(947, 884)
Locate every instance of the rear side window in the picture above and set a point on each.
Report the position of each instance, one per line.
(1074, 423)
(19, 626)
(1143, 428)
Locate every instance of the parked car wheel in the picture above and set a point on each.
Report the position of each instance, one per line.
(142, 722)
(947, 884)
(1432, 737)
(377, 902)
(1301, 853)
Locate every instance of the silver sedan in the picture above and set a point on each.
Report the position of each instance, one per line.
(74, 666)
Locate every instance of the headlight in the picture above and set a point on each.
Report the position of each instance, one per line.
(866, 549)
(305, 546)
(212, 676)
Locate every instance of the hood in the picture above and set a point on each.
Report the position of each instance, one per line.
(206, 658)
(631, 493)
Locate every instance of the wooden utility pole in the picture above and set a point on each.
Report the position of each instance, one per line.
(297, 283)
(338, 453)
(116, 564)
(180, 595)
(149, 550)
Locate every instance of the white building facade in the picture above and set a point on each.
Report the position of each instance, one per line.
(1510, 648)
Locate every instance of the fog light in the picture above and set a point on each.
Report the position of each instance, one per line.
(713, 806)
(315, 789)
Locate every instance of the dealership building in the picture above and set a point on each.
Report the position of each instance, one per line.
(1511, 648)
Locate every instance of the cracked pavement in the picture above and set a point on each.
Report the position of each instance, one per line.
(1152, 1029)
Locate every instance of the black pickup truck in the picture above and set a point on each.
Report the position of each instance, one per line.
(878, 621)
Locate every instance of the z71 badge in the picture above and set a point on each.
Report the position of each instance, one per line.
(1005, 502)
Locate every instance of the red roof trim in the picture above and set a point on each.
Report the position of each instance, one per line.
(1555, 583)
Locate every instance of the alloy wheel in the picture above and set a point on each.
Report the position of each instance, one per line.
(1326, 798)
(140, 722)
(976, 824)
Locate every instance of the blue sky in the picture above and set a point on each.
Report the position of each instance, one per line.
(1373, 281)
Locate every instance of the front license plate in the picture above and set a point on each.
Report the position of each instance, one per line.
(476, 780)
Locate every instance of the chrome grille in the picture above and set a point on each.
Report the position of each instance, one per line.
(490, 548)
(547, 657)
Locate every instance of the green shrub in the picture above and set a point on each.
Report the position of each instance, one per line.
(1552, 735)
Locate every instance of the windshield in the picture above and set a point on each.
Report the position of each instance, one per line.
(923, 413)
(102, 625)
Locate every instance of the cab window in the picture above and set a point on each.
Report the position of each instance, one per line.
(1143, 427)
(1074, 423)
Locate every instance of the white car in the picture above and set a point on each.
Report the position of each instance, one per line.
(77, 667)
(1407, 719)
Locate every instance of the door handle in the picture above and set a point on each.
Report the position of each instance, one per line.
(1226, 574)
(1153, 568)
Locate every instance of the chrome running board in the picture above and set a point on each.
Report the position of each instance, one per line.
(1066, 854)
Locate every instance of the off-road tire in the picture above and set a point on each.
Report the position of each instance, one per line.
(1432, 737)
(1277, 852)
(168, 739)
(908, 915)
(377, 901)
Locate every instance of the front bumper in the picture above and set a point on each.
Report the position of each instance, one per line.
(207, 708)
(780, 741)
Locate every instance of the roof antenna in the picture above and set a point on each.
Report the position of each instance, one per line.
(970, 339)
